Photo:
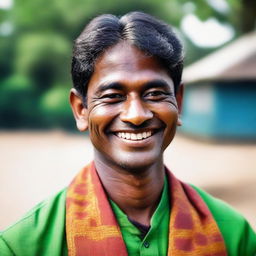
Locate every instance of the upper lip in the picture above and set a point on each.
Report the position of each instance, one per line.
(152, 126)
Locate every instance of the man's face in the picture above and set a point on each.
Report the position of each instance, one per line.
(131, 108)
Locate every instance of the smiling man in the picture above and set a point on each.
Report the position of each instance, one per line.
(128, 93)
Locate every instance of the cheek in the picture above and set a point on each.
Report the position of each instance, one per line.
(99, 118)
(167, 113)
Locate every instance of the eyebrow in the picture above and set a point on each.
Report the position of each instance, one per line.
(114, 85)
(157, 83)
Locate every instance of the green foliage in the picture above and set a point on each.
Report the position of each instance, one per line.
(17, 102)
(6, 57)
(44, 58)
(35, 57)
(55, 109)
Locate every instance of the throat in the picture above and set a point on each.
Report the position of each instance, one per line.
(139, 199)
(137, 195)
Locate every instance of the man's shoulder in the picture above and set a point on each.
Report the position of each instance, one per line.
(236, 231)
(219, 209)
(41, 229)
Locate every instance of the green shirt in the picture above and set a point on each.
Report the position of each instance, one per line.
(156, 241)
(42, 231)
(239, 237)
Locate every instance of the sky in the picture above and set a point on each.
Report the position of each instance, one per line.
(6, 4)
(209, 33)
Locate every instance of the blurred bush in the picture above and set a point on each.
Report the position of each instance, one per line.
(43, 58)
(55, 109)
(17, 102)
(35, 50)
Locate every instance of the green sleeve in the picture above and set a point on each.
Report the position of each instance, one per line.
(239, 237)
(40, 232)
(4, 249)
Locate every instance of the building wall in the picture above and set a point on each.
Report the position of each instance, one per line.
(220, 110)
(236, 109)
(198, 113)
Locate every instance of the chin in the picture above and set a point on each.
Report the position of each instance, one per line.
(134, 168)
(137, 164)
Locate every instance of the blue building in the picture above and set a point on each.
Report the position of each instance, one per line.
(220, 93)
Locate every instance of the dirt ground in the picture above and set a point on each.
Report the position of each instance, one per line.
(35, 165)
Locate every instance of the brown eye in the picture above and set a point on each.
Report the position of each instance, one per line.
(156, 95)
(112, 97)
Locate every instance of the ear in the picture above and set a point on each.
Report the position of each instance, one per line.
(80, 112)
(179, 99)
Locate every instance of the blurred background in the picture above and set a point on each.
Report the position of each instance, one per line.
(39, 146)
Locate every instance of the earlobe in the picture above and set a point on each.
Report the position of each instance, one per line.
(179, 96)
(82, 123)
(179, 99)
(79, 110)
(179, 122)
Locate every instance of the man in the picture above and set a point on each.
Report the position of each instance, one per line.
(128, 93)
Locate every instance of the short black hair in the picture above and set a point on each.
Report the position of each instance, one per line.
(152, 36)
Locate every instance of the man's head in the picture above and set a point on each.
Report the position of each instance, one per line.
(148, 34)
(132, 89)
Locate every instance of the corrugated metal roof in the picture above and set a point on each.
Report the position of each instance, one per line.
(235, 61)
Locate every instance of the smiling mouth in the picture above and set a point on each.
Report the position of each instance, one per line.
(134, 136)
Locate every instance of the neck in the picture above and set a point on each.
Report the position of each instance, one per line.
(137, 194)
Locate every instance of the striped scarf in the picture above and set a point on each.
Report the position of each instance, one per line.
(92, 229)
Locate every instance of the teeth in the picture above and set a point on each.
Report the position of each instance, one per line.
(139, 136)
(134, 136)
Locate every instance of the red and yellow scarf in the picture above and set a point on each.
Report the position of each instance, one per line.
(92, 229)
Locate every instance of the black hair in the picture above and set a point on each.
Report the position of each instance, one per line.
(147, 33)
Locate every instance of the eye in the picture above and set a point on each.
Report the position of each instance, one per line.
(156, 95)
(112, 97)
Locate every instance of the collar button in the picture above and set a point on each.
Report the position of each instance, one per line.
(146, 244)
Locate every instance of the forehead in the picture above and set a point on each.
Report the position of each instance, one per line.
(128, 65)
(127, 57)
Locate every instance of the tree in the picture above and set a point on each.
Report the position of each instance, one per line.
(248, 15)
(39, 48)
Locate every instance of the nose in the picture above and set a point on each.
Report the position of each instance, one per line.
(135, 112)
